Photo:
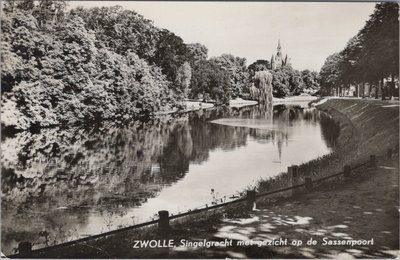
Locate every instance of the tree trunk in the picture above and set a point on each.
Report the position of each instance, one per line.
(348, 89)
(392, 88)
(383, 90)
(363, 89)
(369, 89)
(376, 90)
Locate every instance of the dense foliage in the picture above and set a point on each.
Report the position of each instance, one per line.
(370, 56)
(237, 70)
(288, 81)
(87, 64)
(258, 65)
(67, 67)
(210, 81)
(58, 74)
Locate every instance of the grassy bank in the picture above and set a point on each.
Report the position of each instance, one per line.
(366, 127)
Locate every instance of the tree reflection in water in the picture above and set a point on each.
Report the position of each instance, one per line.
(52, 180)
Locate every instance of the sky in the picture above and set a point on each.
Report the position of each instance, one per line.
(309, 32)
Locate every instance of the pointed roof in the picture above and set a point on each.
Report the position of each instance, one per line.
(279, 53)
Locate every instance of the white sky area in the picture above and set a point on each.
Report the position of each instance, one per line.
(309, 32)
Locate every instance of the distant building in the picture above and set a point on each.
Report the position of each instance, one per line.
(278, 60)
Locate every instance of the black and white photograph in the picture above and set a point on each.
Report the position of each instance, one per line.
(199, 130)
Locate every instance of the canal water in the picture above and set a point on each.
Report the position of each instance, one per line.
(76, 182)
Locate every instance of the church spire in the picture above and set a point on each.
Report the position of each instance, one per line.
(278, 59)
(279, 53)
(272, 62)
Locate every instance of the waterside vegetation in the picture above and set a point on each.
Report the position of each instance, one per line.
(68, 67)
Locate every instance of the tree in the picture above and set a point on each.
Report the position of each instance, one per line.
(380, 39)
(369, 56)
(237, 70)
(331, 73)
(27, 5)
(287, 81)
(22, 47)
(170, 54)
(351, 68)
(59, 75)
(310, 81)
(48, 12)
(8, 6)
(183, 78)
(121, 30)
(209, 79)
(280, 83)
(258, 65)
(197, 51)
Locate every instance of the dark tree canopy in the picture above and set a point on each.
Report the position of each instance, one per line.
(259, 65)
(198, 52)
(369, 56)
(210, 80)
(237, 70)
(171, 52)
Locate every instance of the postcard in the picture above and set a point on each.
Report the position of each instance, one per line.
(190, 129)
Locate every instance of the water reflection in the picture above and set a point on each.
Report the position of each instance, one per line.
(76, 182)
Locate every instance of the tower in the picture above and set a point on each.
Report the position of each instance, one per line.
(279, 60)
(279, 47)
(278, 57)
